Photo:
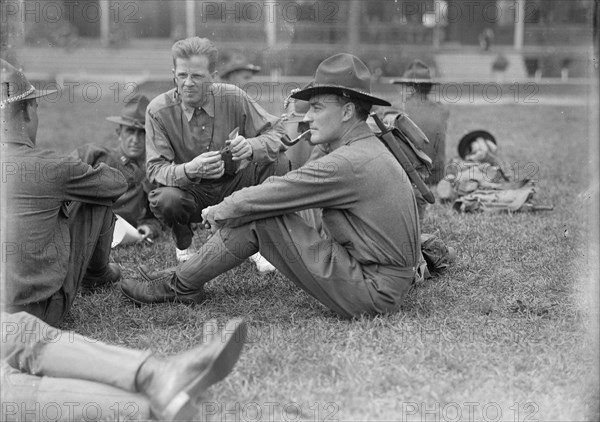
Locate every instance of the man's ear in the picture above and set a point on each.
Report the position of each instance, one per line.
(348, 111)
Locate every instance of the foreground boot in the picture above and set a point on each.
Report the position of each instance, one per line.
(174, 385)
(157, 288)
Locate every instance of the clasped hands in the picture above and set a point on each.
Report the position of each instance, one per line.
(210, 165)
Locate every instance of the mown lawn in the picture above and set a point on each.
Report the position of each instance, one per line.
(508, 333)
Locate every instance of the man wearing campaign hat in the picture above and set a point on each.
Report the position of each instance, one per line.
(129, 157)
(237, 70)
(57, 221)
(367, 259)
(430, 115)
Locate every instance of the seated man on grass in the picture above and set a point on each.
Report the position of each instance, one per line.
(368, 258)
(187, 130)
(57, 220)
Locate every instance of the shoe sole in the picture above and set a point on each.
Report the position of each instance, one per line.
(228, 350)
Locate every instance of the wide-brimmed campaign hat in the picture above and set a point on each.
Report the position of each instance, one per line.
(464, 145)
(133, 113)
(16, 87)
(417, 73)
(342, 74)
(238, 62)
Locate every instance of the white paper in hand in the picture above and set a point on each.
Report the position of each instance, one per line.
(125, 233)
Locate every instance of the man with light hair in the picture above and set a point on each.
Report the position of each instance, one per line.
(205, 140)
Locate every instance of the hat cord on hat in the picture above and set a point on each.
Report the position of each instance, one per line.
(17, 97)
(289, 98)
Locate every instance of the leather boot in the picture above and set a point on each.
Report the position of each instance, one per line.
(156, 287)
(173, 385)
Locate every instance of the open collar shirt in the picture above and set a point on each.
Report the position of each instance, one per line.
(175, 134)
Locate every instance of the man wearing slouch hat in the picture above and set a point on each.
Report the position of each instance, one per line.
(57, 220)
(368, 258)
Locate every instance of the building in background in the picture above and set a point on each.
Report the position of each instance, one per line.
(290, 37)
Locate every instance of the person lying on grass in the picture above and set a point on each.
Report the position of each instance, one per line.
(369, 255)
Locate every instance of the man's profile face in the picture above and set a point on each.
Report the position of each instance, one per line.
(133, 141)
(193, 79)
(325, 119)
(240, 77)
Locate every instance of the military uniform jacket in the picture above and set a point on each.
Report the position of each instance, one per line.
(35, 232)
(367, 199)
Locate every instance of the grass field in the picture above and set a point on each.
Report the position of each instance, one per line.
(508, 333)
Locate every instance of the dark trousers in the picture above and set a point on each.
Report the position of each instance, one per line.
(91, 231)
(178, 207)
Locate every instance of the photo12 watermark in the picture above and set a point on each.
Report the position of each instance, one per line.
(69, 10)
(471, 411)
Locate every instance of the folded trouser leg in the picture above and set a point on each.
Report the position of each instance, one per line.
(90, 236)
(36, 348)
(326, 270)
(27, 397)
(99, 252)
(317, 264)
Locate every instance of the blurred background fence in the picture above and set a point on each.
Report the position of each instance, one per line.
(460, 39)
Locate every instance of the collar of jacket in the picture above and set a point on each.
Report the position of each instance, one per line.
(360, 130)
(126, 160)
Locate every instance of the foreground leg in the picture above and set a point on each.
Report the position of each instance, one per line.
(27, 397)
(172, 385)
